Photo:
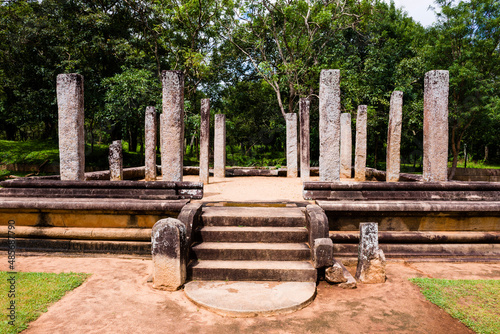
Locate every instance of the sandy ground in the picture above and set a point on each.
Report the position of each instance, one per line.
(118, 299)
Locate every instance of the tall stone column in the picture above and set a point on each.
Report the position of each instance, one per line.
(394, 137)
(305, 153)
(360, 153)
(204, 140)
(116, 161)
(150, 144)
(220, 146)
(172, 127)
(291, 145)
(71, 121)
(436, 87)
(329, 125)
(345, 145)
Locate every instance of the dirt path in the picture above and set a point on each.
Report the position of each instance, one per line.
(118, 299)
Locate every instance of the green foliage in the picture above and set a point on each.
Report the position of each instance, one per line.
(476, 303)
(35, 292)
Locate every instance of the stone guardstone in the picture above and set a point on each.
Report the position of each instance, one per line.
(204, 140)
(291, 145)
(71, 126)
(371, 259)
(150, 126)
(322, 252)
(305, 154)
(360, 154)
(394, 137)
(172, 126)
(169, 250)
(345, 145)
(220, 146)
(329, 126)
(435, 162)
(116, 161)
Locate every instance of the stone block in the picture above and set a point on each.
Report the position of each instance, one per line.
(435, 161)
(71, 126)
(116, 161)
(371, 259)
(329, 125)
(345, 146)
(220, 146)
(204, 140)
(322, 252)
(291, 145)
(150, 128)
(394, 137)
(305, 153)
(360, 154)
(169, 250)
(338, 274)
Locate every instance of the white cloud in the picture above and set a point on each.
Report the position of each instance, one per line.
(418, 10)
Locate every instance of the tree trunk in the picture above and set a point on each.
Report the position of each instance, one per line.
(485, 153)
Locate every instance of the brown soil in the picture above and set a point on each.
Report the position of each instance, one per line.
(118, 299)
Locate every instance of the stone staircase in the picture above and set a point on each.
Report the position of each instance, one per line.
(251, 243)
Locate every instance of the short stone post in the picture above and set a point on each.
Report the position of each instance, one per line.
(71, 121)
(345, 145)
(371, 259)
(329, 125)
(220, 146)
(172, 127)
(116, 161)
(169, 250)
(305, 153)
(435, 164)
(360, 154)
(394, 137)
(291, 145)
(204, 140)
(150, 144)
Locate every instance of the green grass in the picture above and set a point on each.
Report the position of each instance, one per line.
(475, 164)
(476, 303)
(34, 293)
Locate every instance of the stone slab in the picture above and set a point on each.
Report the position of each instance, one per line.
(345, 145)
(250, 299)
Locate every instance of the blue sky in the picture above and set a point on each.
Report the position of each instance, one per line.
(418, 10)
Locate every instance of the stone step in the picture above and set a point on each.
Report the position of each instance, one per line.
(293, 271)
(254, 216)
(252, 251)
(251, 234)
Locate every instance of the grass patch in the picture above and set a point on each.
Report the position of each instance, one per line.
(476, 303)
(35, 292)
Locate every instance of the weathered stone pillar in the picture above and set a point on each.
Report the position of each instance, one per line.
(150, 144)
(329, 125)
(371, 259)
(172, 127)
(220, 146)
(436, 87)
(116, 161)
(169, 250)
(345, 145)
(71, 121)
(305, 153)
(360, 154)
(291, 145)
(394, 137)
(204, 140)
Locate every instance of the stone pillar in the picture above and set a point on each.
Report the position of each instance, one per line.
(71, 121)
(360, 154)
(172, 126)
(371, 259)
(291, 145)
(436, 87)
(394, 137)
(150, 144)
(204, 140)
(329, 125)
(345, 145)
(305, 155)
(169, 250)
(116, 161)
(220, 146)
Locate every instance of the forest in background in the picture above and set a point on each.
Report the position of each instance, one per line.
(254, 60)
